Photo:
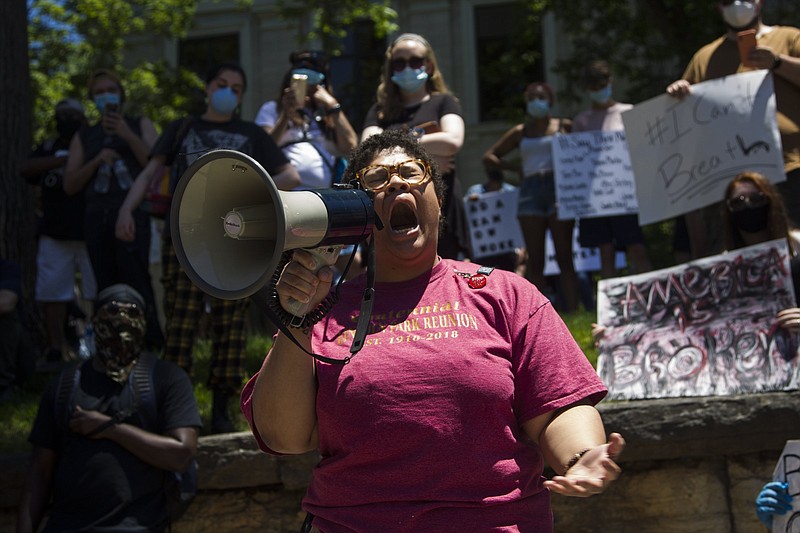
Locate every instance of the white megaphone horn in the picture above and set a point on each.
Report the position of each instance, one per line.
(230, 224)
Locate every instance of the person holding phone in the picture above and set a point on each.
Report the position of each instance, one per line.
(307, 121)
(412, 96)
(102, 161)
(776, 48)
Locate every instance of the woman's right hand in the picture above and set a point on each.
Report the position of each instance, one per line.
(300, 282)
(126, 227)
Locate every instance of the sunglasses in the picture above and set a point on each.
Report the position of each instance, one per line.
(115, 308)
(375, 178)
(743, 201)
(413, 62)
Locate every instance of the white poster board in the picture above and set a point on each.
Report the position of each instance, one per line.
(685, 151)
(584, 259)
(493, 225)
(703, 328)
(788, 471)
(593, 175)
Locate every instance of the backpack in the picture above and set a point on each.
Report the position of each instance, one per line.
(179, 487)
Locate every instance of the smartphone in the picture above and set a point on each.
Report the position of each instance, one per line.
(299, 84)
(747, 41)
(111, 108)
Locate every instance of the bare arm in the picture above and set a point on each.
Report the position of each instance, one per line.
(126, 227)
(344, 134)
(788, 67)
(36, 491)
(447, 142)
(8, 301)
(34, 167)
(173, 451)
(287, 177)
(493, 157)
(284, 396)
(563, 434)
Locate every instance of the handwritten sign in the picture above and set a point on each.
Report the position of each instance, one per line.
(684, 152)
(584, 259)
(593, 175)
(703, 328)
(493, 225)
(788, 471)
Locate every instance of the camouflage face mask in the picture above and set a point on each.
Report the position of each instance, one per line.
(119, 335)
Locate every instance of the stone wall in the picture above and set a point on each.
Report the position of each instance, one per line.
(691, 465)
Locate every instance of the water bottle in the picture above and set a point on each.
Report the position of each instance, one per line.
(124, 179)
(86, 344)
(102, 181)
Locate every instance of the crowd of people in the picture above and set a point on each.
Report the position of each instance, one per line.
(385, 424)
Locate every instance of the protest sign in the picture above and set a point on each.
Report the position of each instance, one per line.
(493, 225)
(703, 328)
(593, 175)
(788, 471)
(584, 259)
(685, 151)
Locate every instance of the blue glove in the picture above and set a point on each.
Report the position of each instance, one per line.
(773, 499)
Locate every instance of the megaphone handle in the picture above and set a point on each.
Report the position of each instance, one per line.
(323, 256)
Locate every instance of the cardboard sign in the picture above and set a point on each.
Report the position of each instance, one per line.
(685, 151)
(493, 225)
(584, 259)
(703, 328)
(593, 175)
(788, 471)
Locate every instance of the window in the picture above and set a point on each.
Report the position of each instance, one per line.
(200, 54)
(508, 44)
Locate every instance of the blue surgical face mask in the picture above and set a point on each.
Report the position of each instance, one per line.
(538, 107)
(314, 77)
(103, 99)
(601, 96)
(224, 101)
(410, 80)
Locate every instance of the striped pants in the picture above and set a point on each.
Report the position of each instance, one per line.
(184, 304)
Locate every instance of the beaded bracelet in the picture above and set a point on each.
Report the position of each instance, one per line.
(575, 458)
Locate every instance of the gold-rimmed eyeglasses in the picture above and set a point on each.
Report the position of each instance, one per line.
(375, 178)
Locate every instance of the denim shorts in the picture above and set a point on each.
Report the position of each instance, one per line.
(537, 196)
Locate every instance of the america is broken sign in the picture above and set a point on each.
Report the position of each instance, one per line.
(703, 328)
(685, 151)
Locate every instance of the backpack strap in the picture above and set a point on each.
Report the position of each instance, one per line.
(141, 383)
(68, 382)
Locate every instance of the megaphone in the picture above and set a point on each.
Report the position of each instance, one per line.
(230, 224)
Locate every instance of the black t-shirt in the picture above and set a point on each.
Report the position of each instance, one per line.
(203, 135)
(455, 235)
(433, 109)
(94, 139)
(62, 214)
(97, 484)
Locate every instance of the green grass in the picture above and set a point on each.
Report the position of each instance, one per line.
(18, 414)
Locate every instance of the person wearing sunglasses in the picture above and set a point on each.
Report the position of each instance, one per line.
(99, 454)
(412, 96)
(753, 213)
(778, 50)
(313, 133)
(467, 381)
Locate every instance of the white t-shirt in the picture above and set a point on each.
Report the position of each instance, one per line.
(313, 158)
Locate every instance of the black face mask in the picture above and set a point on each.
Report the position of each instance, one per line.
(67, 127)
(751, 219)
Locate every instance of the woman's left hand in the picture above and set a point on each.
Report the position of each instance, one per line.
(790, 319)
(593, 472)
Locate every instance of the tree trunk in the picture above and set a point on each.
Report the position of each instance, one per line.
(17, 223)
